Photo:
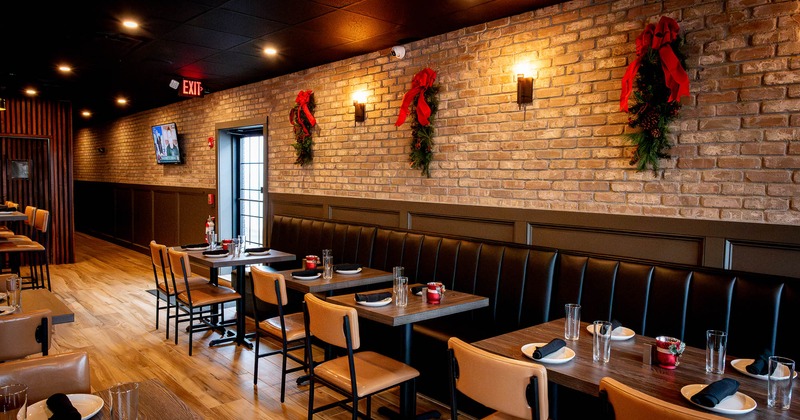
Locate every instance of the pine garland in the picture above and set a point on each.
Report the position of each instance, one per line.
(422, 135)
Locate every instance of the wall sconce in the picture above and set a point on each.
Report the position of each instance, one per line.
(524, 90)
(360, 104)
(2, 104)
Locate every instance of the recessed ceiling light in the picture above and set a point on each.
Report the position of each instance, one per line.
(64, 68)
(86, 113)
(130, 24)
(270, 51)
(31, 92)
(122, 101)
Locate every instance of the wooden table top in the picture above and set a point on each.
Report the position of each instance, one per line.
(244, 259)
(35, 299)
(13, 216)
(626, 366)
(156, 401)
(366, 277)
(417, 310)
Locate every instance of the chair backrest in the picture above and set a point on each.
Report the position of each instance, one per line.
(67, 373)
(25, 334)
(41, 220)
(30, 213)
(628, 403)
(264, 286)
(160, 260)
(498, 382)
(179, 264)
(326, 322)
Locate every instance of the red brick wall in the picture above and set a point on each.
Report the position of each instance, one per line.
(736, 156)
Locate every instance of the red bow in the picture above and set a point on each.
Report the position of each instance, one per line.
(421, 82)
(658, 37)
(303, 97)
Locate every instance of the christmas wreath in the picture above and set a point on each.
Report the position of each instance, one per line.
(302, 118)
(421, 102)
(658, 80)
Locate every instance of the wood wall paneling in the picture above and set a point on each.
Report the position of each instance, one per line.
(193, 211)
(763, 257)
(484, 228)
(142, 217)
(165, 217)
(123, 214)
(368, 216)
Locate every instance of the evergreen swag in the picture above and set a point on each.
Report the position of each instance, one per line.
(421, 102)
(660, 81)
(302, 118)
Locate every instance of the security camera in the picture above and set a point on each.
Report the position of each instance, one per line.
(398, 51)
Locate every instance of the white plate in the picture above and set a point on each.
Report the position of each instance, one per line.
(562, 355)
(5, 310)
(199, 248)
(318, 275)
(349, 271)
(741, 366)
(737, 403)
(87, 404)
(618, 334)
(259, 253)
(384, 302)
(217, 255)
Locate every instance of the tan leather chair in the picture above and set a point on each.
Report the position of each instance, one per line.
(166, 286)
(356, 375)
(628, 403)
(516, 389)
(34, 250)
(194, 298)
(25, 334)
(29, 231)
(67, 373)
(287, 328)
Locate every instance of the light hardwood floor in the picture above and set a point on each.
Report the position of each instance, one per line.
(106, 288)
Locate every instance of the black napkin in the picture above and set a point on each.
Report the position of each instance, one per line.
(256, 250)
(760, 365)
(62, 408)
(372, 297)
(548, 348)
(346, 267)
(203, 245)
(715, 392)
(306, 273)
(614, 325)
(417, 289)
(216, 252)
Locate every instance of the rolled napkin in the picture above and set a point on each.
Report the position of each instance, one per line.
(372, 297)
(614, 325)
(262, 249)
(548, 348)
(346, 267)
(62, 408)
(216, 252)
(203, 245)
(715, 392)
(760, 365)
(306, 273)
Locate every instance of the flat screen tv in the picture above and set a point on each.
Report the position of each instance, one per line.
(165, 141)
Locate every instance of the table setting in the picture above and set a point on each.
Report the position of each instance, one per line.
(373, 299)
(66, 406)
(554, 352)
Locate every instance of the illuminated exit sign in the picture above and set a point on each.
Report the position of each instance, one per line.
(191, 88)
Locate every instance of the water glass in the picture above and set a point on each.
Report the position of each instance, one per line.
(601, 341)
(401, 291)
(572, 326)
(212, 241)
(13, 402)
(716, 344)
(397, 272)
(327, 264)
(125, 401)
(242, 244)
(779, 382)
(13, 290)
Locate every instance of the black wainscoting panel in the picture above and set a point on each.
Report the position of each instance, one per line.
(142, 216)
(123, 214)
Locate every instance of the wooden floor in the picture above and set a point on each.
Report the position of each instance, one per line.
(115, 323)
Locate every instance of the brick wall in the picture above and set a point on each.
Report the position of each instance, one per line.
(736, 154)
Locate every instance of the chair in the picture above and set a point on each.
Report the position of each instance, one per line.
(623, 402)
(356, 375)
(22, 335)
(35, 249)
(28, 224)
(195, 298)
(166, 287)
(67, 373)
(288, 328)
(514, 388)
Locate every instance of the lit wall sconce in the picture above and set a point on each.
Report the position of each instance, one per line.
(524, 90)
(360, 104)
(2, 104)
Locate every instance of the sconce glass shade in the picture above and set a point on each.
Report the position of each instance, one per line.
(361, 111)
(524, 90)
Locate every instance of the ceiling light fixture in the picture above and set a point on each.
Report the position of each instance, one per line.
(31, 92)
(122, 101)
(64, 68)
(270, 51)
(130, 24)
(86, 113)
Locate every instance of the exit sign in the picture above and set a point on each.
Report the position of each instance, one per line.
(191, 88)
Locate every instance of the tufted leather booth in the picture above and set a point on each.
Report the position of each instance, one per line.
(528, 285)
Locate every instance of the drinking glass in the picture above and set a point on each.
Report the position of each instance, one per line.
(572, 326)
(327, 264)
(716, 345)
(125, 401)
(397, 272)
(242, 244)
(13, 290)
(13, 402)
(212, 241)
(779, 382)
(401, 291)
(601, 341)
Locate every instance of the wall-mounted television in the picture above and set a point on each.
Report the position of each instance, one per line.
(165, 141)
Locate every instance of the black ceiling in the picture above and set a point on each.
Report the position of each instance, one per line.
(218, 42)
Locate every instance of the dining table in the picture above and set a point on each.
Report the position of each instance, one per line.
(36, 299)
(12, 216)
(156, 401)
(363, 277)
(418, 309)
(238, 262)
(628, 365)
